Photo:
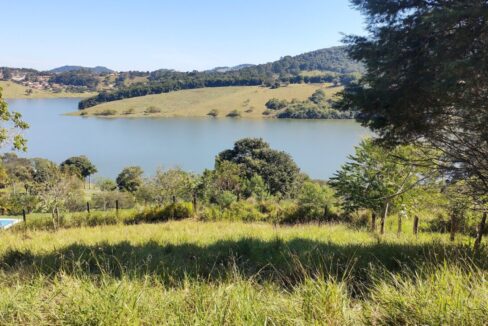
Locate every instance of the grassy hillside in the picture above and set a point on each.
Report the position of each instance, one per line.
(11, 90)
(248, 100)
(225, 273)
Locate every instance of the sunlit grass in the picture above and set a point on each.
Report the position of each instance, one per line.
(219, 273)
(249, 101)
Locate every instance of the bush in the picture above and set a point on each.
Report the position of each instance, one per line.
(276, 104)
(152, 110)
(225, 199)
(238, 211)
(213, 113)
(234, 114)
(304, 110)
(107, 112)
(176, 211)
(129, 111)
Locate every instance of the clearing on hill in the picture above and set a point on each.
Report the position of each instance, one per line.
(248, 101)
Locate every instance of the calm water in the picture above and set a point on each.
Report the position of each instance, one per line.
(319, 147)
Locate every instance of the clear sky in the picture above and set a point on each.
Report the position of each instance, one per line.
(177, 34)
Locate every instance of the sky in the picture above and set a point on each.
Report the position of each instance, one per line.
(179, 34)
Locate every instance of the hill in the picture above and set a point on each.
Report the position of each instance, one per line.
(235, 68)
(332, 65)
(12, 90)
(96, 70)
(248, 101)
(332, 59)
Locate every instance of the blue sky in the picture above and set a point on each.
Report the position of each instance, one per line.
(177, 34)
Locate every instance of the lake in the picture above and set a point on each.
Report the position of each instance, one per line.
(318, 146)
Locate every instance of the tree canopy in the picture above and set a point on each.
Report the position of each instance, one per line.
(11, 121)
(130, 179)
(81, 165)
(426, 79)
(278, 170)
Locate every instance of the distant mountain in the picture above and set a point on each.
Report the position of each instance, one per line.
(333, 59)
(96, 70)
(235, 68)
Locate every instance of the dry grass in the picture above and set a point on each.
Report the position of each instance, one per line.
(249, 101)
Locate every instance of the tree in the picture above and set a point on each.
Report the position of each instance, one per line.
(80, 165)
(376, 178)
(426, 80)
(173, 183)
(318, 97)
(278, 170)
(315, 201)
(225, 179)
(10, 121)
(130, 179)
(106, 185)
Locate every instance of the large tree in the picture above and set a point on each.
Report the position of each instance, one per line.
(377, 178)
(278, 170)
(9, 122)
(81, 166)
(426, 79)
(130, 179)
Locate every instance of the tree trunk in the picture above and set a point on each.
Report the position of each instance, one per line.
(416, 225)
(57, 216)
(373, 222)
(481, 230)
(399, 230)
(385, 214)
(54, 219)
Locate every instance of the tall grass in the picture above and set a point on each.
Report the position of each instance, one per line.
(227, 273)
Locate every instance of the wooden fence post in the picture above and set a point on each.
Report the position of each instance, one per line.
(373, 222)
(326, 213)
(174, 199)
(88, 207)
(57, 216)
(453, 226)
(24, 215)
(481, 230)
(195, 207)
(416, 225)
(117, 207)
(399, 230)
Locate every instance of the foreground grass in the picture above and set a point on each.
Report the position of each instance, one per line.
(249, 101)
(11, 90)
(218, 273)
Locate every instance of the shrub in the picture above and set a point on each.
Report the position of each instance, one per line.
(237, 211)
(107, 112)
(129, 111)
(225, 198)
(268, 112)
(152, 110)
(234, 114)
(213, 113)
(175, 211)
(276, 104)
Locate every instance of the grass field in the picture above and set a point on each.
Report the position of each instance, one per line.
(249, 101)
(223, 273)
(11, 90)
